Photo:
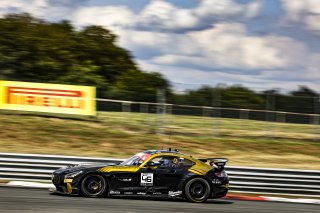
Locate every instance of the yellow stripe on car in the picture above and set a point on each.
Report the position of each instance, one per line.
(119, 169)
(200, 168)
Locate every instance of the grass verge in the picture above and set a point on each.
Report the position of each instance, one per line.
(118, 134)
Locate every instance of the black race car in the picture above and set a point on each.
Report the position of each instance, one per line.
(149, 173)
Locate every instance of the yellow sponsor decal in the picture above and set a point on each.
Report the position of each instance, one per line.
(53, 98)
(67, 180)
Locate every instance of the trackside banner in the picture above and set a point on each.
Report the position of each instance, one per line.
(53, 98)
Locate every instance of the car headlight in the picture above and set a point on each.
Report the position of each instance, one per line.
(72, 175)
(69, 166)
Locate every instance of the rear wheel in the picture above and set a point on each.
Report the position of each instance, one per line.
(197, 190)
(94, 185)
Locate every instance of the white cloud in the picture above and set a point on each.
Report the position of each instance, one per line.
(145, 39)
(306, 12)
(4, 5)
(17, 6)
(112, 17)
(253, 9)
(161, 15)
(220, 8)
(313, 22)
(164, 15)
(270, 61)
(46, 9)
(225, 9)
(187, 78)
(158, 42)
(227, 45)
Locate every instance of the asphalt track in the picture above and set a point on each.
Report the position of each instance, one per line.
(40, 200)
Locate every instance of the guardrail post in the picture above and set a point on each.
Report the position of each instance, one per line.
(169, 108)
(161, 110)
(281, 117)
(270, 113)
(314, 119)
(216, 108)
(316, 116)
(206, 111)
(244, 113)
(144, 107)
(126, 106)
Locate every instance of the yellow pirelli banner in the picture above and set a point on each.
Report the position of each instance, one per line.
(53, 98)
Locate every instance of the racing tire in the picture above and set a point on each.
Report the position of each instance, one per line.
(93, 185)
(197, 190)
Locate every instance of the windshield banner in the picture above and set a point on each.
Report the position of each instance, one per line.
(52, 98)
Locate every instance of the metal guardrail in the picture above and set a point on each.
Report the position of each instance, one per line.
(304, 183)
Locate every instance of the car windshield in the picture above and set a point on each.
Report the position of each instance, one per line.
(136, 160)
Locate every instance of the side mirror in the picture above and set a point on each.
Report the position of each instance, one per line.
(150, 164)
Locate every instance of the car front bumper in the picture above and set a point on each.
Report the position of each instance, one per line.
(63, 187)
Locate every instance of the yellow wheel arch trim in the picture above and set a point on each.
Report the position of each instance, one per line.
(69, 188)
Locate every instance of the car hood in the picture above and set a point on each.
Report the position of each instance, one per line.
(78, 167)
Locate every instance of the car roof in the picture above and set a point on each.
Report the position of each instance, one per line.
(152, 152)
(171, 152)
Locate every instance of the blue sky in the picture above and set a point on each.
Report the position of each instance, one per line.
(260, 44)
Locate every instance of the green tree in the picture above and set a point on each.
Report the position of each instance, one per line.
(240, 97)
(303, 100)
(138, 86)
(38, 51)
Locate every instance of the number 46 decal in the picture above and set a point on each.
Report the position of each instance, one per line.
(146, 179)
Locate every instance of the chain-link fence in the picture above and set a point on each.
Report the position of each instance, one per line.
(215, 112)
(273, 107)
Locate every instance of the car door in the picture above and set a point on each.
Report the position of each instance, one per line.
(126, 179)
(166, 176)
(124, 182)
(140, 181)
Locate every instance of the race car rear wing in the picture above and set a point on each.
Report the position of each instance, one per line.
(219, 162)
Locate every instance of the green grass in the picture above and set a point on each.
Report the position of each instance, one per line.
(119, 134)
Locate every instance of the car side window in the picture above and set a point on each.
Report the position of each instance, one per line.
(137, 162)
(185, 163)
(172, 162)
(163, 161)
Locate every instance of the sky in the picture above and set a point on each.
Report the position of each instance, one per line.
(261, 44)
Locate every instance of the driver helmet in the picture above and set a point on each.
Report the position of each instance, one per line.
(165, 162)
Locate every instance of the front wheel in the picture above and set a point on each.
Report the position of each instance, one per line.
(94, 185)
(197, 190)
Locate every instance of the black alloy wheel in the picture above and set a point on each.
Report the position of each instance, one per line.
(94, 185)
(197, 190)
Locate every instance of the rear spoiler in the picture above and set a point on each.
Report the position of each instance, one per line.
(219, 162)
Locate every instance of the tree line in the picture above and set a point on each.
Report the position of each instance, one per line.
(36, 50)
(302, 100)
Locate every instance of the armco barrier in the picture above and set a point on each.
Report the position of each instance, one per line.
(304, 183)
